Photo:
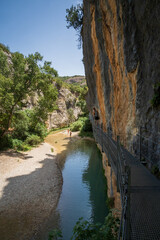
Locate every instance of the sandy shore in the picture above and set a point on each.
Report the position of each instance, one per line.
(30, 187)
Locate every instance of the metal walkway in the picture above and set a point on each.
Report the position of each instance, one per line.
(139, 189)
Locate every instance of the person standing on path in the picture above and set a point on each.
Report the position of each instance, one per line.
(70, 133)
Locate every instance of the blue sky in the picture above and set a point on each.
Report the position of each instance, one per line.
(30, 26)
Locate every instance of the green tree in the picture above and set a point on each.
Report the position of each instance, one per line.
(49, 70)
(4, 68)
(74, 19)
(21, 79)
(82, 100)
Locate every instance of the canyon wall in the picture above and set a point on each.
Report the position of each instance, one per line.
(67, 112)
(121, 47)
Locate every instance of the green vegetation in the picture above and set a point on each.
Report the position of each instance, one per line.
(155, 101)
(74, 19)
(28, 92)
(56, 130)
(76, 88)
(84, 126)
(155, 171)
(84, 230)
(110, 202)
(21, 81)
(55, 235)
(70, 115)
(4, 48)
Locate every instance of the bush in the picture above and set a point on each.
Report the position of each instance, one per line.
(84, 230)
(87, 126)
(17, 144)
(56, 234)
(59, 83)
(76, 126)
(6, 142)
(33, 140)
(71, 116)
(41, 130)
(84, 126)
(22, 123)
(86, 130)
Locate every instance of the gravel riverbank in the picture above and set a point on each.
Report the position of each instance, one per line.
(30, 187)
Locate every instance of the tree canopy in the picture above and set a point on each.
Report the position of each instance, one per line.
(21, 79)
(74, 19)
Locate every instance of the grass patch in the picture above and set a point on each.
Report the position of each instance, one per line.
(56, 130)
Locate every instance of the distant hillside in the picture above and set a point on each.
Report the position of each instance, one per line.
(76, 79)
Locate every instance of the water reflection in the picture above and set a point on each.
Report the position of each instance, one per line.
(94, 177)
(84, 187)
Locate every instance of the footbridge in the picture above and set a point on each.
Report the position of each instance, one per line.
(139, 189)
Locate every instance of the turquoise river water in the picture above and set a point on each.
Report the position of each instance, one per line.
(84, 187)
(84, 191)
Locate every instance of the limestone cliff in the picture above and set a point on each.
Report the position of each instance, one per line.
(121, 46)
(67, 109)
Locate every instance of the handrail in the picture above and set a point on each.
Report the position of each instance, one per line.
(121, 170)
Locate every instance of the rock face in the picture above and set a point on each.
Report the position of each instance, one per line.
(121, 46)
(67, 109)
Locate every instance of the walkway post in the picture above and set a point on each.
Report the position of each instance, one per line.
(108, 151)
(140, 146)
(102, 137)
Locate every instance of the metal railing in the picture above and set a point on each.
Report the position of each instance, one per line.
(116, 158)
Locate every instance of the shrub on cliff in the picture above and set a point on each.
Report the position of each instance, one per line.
(4, 48)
